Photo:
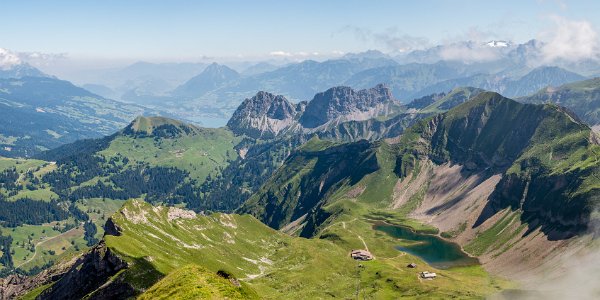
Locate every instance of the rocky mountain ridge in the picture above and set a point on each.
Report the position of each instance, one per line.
(523, 173)
(266, 115)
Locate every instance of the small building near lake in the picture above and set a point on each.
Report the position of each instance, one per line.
(361, 254)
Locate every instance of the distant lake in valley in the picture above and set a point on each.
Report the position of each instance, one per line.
(432, 249)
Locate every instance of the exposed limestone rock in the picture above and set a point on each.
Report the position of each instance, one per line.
(264, 115)
(178, 213)
(345, 104)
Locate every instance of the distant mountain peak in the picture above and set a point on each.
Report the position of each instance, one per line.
(267, 115)
(373, 54)
(12, 66)
(264, 115)
(215, 66)
(212, 78)
(163, 127)
(218, 70)
(343, 103)
(8, 59)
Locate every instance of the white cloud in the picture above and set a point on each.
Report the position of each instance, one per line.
(391, 38)
(469, 52)
(40, 58)
(570, 40)
(298, 55)
(8, 59)
(280, 53)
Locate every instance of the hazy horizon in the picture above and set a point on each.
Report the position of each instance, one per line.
(62, 37)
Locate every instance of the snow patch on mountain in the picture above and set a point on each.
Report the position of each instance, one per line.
(497, 44)
(8, 59)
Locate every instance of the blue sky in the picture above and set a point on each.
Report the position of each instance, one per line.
(190, 30)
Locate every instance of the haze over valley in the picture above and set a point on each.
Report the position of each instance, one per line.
(267, 150)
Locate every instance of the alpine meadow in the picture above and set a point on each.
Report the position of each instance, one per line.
(300, 150)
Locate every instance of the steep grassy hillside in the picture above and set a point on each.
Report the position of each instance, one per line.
(582, 97)
(490, 166)
(160, 159)
(511, 183)
(308, 180)
(538, 148)
(55, 209)
(195, 282)
(150, 249)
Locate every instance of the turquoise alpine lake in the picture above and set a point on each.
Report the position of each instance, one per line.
(432, 249)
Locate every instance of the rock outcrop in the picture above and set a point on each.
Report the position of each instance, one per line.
(16, 285)
(345, 104)
(91, 273)
(267, 115)
(264, 116)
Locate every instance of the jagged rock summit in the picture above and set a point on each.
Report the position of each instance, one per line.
(345, 104)
(264, 115)
(267, 115)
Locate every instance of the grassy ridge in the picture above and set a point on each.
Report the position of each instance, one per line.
(195, 282)
(200, 155)
(276, 265)
(155, 142)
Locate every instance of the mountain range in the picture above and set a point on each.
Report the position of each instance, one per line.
(512, 183)
(141, 82)
(580, 97)
(211, 94)
(40, 113)
(21, 70)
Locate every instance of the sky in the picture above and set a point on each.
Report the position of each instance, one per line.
(178, 30)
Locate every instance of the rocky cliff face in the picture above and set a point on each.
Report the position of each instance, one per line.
(264, 116)
(75, 278)
(91, 273)
(345, 104)
(545, 156)
(16, 285)
(507, 181)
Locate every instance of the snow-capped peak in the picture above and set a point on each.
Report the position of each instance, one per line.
(497, 44)
(8, 59)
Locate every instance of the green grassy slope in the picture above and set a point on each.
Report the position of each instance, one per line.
(539, 148)
(156, 158)
(582, 97)
(146, 144)
(269, 262)
(199, 151)
(195, 282)
(454, 98)
(549, 163)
